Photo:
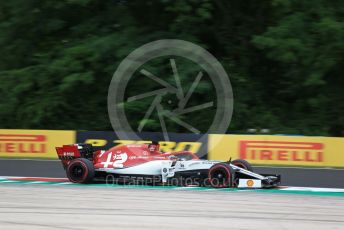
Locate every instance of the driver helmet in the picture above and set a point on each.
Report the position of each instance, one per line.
(154, 146)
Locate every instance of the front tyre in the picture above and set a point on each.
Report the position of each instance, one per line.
(80, 170)
(242, 164)
(220, 176)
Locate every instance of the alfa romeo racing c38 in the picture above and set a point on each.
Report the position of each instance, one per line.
(143, 163)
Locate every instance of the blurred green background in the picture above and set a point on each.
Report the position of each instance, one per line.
(284, 59)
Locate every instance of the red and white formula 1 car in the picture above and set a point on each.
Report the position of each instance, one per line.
(143, 163)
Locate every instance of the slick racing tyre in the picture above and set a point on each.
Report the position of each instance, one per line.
(242, 164)
(220, 176)
(80, 170)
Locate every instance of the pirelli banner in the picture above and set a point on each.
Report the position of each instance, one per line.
(258, 149)
(33, 143)
(278, 150)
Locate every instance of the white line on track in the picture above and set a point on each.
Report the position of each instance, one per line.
(63, 183)
(184, 188)
(306, 189)
(8, 181)
(35, 182)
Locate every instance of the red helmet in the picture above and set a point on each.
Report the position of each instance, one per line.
(154, 147)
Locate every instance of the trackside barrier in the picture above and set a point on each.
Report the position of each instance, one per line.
(258, 149)
(278, 150)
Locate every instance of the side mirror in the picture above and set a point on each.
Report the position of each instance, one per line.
(230, 160)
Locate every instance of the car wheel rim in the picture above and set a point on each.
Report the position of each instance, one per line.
(220, 177)
(77, 172)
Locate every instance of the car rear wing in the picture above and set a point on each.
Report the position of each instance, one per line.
(67, 153)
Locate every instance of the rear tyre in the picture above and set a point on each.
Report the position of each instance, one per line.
(80, 170)
(242, 164)
(220, 176)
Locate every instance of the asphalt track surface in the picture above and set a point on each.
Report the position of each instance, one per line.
(87, 207)
(304, 177)
(64, 205)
